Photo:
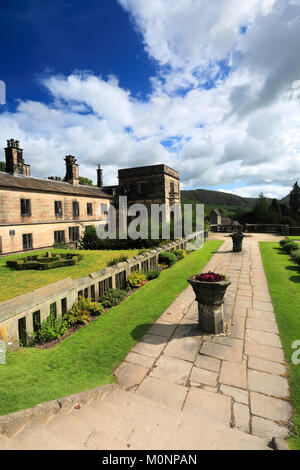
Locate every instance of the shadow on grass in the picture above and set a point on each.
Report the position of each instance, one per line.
(292, 268)
(295, 279)
(162, 332)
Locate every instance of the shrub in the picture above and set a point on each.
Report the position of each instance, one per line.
(296, 256)
(162, 266)
(179, 254)
(136, 279)
(290, 246)
(50, 329)
(82, 310)
(283, 242)
(152, 274)
(167, 258)
(118, 259)
(112, 297)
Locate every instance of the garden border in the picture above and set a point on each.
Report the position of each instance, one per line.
(18, 312)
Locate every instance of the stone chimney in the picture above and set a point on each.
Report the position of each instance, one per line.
(14, 159)
(71, 170)
(99, 177)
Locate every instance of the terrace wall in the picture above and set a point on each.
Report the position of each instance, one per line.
(63, 294)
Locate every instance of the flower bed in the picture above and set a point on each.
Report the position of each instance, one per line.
(209, 277)
(45, 261)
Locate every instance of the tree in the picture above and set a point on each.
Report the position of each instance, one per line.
(295, 198)
(85, 181)
(275, 212)
(2, 166)
(261, 211)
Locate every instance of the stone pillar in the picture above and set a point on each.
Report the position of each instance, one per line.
(211, 318)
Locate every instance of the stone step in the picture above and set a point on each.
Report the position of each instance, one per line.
(36, 436)
(125, 420)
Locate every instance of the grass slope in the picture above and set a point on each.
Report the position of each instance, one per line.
(284, 286)
(88, 357)
(14, 283)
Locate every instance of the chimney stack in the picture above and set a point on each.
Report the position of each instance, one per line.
(71, 170)
(99, 177)
(14, 159)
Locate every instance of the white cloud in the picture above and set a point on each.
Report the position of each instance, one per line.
(241, 131)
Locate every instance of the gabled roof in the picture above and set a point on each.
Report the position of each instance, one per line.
(30, 183)
(216, 211)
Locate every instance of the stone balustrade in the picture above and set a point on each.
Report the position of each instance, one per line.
(18, 315)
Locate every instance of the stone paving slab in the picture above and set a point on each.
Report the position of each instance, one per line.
(172, 369)
(237, 379)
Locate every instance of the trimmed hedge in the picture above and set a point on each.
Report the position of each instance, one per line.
(296, 256)
(290, 246)
(42, 262)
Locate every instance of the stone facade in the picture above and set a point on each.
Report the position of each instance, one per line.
(35, 212)
(153, 184)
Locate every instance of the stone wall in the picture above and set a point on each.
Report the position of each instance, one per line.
(63, 294)
(42, 223)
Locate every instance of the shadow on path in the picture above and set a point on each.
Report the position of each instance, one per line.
(164, 332)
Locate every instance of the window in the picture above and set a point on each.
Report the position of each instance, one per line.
(89, 208)
(172, 187)
(27, 241)
(58, 208)
(59, 236)
(142, 188)
(25, 207)
(73, 234)
(75, 209)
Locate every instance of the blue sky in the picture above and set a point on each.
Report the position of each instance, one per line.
(41, 38)
(205, 87)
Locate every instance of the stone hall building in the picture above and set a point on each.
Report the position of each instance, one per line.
(35, 213)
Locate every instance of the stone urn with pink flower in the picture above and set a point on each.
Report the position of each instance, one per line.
(209, 289)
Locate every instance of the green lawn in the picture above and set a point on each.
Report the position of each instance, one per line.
(87, 358)
(284, 285)
(294, 237)
(15, 283)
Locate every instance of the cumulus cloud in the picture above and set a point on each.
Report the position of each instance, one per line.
(223, 110)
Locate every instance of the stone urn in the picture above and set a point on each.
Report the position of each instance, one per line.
(210, 298)
(237, 241)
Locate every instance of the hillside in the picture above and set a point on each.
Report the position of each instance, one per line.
(217, 198)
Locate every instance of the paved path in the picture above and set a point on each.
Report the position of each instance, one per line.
(180, 389)
(237, 379)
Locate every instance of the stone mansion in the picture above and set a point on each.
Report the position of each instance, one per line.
(35, 213)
